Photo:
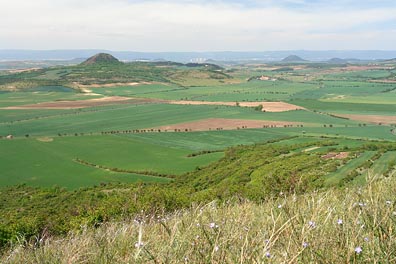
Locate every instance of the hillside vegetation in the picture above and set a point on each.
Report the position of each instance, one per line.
(256, 173)
(354, 225)
(105, 69)
(101, 58)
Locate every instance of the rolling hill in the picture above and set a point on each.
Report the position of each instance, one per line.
(101, 58)
(293, 58)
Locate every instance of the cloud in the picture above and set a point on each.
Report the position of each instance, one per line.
(184, 25)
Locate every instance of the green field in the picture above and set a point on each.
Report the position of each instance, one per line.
(33, 97)
(249, 91)
(379, 167)
(105, 136)
(345, 107)
(143, 117)
(40, 163)
(138, 90)
(334, 178)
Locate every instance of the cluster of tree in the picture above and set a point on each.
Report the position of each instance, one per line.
(32, 213)
(203, 152)
(136, 131)
(149, 173)
(391, 168)
(389, 90)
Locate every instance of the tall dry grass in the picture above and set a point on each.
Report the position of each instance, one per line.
(355, 225)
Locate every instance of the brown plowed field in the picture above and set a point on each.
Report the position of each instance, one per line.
(224, 124)
(375, 119)
(82, 103)
(383, 81)
(334, 155)
(267, 106)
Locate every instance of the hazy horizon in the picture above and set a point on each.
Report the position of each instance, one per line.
(39, 55)
(198, 26)
(201, 51)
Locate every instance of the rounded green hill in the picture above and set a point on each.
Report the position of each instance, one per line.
(101, 58)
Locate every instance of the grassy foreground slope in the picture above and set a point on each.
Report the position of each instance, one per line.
(355, 225)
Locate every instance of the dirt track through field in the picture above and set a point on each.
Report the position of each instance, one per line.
(107, 85)
(224, 124)
(83, 103)
(375, 119)
(267, 106)
(45, 139)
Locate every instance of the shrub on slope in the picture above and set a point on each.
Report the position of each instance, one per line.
(354, 225)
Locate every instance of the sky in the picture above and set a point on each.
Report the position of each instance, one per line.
(200, 25)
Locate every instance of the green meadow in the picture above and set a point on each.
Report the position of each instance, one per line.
(52, 145)
(129, 117)
(53, 161)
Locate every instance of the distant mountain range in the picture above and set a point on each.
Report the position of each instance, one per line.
(337, 61)
(226, 56)
(293, 58)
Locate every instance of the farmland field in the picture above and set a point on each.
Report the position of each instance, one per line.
(46, 161)
(335, 177)
(168, 118)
